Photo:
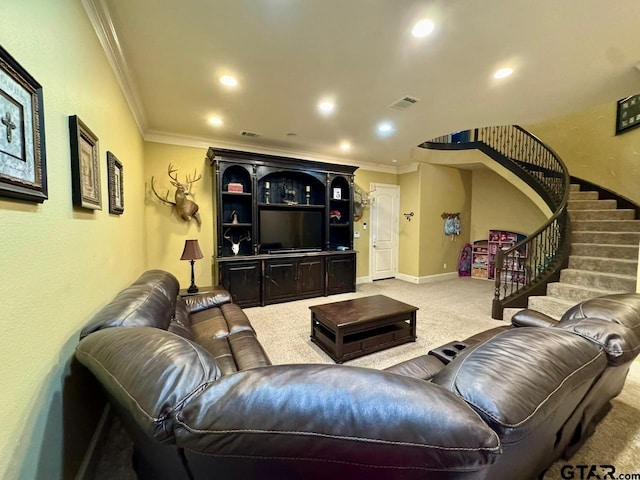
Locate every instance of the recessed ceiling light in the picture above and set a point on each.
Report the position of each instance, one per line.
(423, 28)
(345, 146)
(228, 80)
(326, 107)
(503, 72)
(215, 121)
(385, 128)
(394, 161)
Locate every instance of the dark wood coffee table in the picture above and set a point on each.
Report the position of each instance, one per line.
(353, 328)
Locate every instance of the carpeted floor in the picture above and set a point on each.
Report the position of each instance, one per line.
(448, 310)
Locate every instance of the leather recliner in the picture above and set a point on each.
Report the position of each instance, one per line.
(200, 398)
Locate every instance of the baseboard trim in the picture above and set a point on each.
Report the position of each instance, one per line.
(428, 278)
(366, 279)
(91, 456)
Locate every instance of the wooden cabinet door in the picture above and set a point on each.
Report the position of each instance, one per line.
(242, 280)
(341, 274)
(310, 281)
(279, 280)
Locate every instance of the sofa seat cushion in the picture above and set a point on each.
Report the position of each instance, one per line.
(219, 322)
(519, 378)
(236, 352)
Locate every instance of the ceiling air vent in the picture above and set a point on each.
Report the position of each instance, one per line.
(404, 103)
(246, 133)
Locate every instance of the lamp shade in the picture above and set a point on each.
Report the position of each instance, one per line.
(191, 250)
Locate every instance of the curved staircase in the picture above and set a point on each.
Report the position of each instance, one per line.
(603, 255)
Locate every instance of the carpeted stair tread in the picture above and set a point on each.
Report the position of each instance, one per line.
(591, 204)
(574, 187)
(604, 265)
(579, 195)
(613, 238)
(552, 306)
(605, 225)
(618, 214)
(576, 293)
(605, 250)
(599, 280)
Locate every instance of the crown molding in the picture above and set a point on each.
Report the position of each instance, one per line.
(202, 142)
(100, 18)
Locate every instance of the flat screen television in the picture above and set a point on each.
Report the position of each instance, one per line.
(290, 230)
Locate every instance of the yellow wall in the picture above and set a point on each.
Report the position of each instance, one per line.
(587, 144)
(60, 264)
(167, 231)
(363, 180)
(444, 189)
(409, 231)
(491, 194)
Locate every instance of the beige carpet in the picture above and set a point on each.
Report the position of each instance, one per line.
(449, 310)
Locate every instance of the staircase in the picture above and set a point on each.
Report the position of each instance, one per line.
(603, 258)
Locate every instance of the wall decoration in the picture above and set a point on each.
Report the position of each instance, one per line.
(628, 114)
(23, 166)
(116, 184)
(85, 167)
(187, 209)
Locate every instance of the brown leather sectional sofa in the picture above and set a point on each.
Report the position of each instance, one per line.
(200, 398)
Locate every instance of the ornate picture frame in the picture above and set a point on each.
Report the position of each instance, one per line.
(115, 177)
(23, 165)
(85, 167)
(628, 114)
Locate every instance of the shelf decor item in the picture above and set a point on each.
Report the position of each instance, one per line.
(628, 114)
(116, 184)
(192, 253)
(23, 166)
(85, 167)
(337, 193)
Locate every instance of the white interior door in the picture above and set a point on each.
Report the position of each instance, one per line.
(383, 259)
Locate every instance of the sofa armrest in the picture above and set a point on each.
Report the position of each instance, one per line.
(206, 300)
(319, 417)
(532, 318)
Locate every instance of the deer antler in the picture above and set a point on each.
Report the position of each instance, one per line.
(226, 236)
(174, 179)
(165, 199)
(242, 239)
(195, 179)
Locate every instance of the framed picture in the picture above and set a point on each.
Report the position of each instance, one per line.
(85, 168)
(337, 193)
(23, 166)
(628, 114)
(116, 184)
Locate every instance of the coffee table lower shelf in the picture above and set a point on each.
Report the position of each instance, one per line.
(362, 343)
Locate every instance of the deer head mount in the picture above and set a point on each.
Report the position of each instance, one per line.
(235, 246)
(186, 208)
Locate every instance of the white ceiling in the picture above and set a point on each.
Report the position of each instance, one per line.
(567, 55)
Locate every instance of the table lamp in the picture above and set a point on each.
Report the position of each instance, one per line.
(192, 253)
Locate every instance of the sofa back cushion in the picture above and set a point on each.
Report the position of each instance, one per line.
(517, 379)
(619, 342)
(622, 308)
(149, 374)
(150, 301)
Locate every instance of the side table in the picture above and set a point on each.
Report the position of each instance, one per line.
(184, 293)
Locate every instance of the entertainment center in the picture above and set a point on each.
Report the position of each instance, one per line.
(284, 227)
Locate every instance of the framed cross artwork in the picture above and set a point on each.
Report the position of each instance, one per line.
(23, 166)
